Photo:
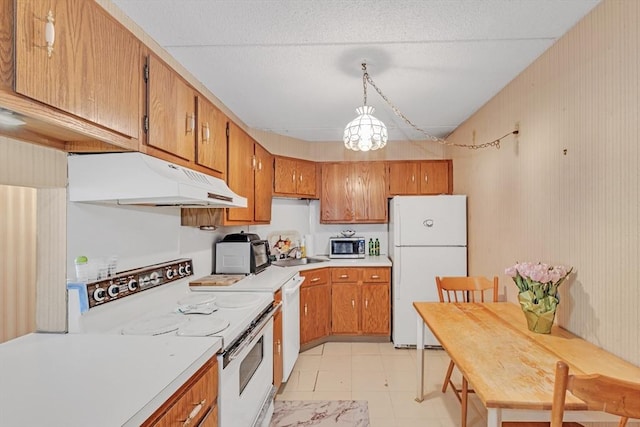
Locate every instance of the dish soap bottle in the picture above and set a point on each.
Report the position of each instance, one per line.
(303, 248)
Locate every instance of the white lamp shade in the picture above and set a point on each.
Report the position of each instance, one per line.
(365, 132)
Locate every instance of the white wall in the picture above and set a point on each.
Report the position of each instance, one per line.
(567, 190)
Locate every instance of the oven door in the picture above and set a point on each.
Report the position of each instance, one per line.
(246, 380)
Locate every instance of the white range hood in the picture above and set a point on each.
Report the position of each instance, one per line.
(139, 179)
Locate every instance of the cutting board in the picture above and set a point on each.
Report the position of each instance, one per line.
(217, 280)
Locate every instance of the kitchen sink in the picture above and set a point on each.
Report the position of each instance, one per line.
(290, 262)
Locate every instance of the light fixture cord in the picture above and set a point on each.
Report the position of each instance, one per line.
(495, 143)
(365, 77)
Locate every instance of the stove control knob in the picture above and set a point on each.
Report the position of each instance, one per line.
(169, 273)
(187, 269)
(155, 278)
(99, 295)
(113, 291)
(181, 270)
(132, 285)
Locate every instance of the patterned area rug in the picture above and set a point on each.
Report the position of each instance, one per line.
(320, 413)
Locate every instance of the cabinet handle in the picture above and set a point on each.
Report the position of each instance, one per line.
(426, 178)
(191, 122)
(353, 304)
(413, 178)
(293, 177)
(305, 309)
(259, 164)
(194, 413)
(375, 276)
(253, 162)
(279, 348)
(344, 276)
(49, 33)
(300, 176)
(205, 132)
(366, 303)
(315, 279)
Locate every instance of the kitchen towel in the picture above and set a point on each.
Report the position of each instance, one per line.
(309, 245)
(320, 413)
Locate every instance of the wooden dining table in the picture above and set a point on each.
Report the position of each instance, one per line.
(511, 368)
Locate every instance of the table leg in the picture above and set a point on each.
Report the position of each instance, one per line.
(420, 360)
(494, 417)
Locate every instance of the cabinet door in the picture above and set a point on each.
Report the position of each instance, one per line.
(403, 178)
(94, 69)
(375, 309)
(263, 184)
(370, 192)
(434, 177)
(212, 137)
(286, 176)
(345, 306)
(306, 178)
(240, 176)
(277, 349)
(171, 111)
(315, 312)
(322, 301)
(336, 202)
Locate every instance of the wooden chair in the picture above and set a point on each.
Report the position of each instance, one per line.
(599, 392)
(462, 290)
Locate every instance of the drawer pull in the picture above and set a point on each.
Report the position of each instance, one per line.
(344, 276)
(194, 413)
(375, 276)
(315, 279)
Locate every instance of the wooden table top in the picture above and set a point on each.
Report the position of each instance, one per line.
(508, 365)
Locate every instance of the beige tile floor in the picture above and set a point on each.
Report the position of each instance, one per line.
(383, 376)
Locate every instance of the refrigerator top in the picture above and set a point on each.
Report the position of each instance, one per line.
(429, 220)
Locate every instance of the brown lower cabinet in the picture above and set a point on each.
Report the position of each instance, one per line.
(315, 305)
(360, 301)
(343, 301)
(199, 392)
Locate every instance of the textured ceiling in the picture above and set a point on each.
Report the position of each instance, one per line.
(293, 66)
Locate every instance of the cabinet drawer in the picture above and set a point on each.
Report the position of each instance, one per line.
(195, 400)
(375, 275)
(315, 277)
(345, 274)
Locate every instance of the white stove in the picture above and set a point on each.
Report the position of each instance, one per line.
(242, 320)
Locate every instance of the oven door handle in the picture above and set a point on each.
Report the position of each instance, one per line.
(256, 331)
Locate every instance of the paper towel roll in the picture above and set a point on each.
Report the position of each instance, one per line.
(309, 245)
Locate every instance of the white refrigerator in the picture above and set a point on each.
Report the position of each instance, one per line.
(427, 238)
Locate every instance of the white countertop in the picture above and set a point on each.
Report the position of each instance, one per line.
(98, 380)
(274, 277)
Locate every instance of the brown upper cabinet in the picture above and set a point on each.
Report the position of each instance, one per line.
(295, 177)
(420, 177)
(211, 151)
(353, 192)
(91, 71)
(171, 112)
(250, 174)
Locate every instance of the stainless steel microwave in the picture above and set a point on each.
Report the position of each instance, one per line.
(346, 247)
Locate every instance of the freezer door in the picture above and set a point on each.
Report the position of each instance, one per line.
(429, 220)
(413, 279)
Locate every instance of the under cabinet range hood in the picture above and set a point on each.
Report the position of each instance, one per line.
(139, 179)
